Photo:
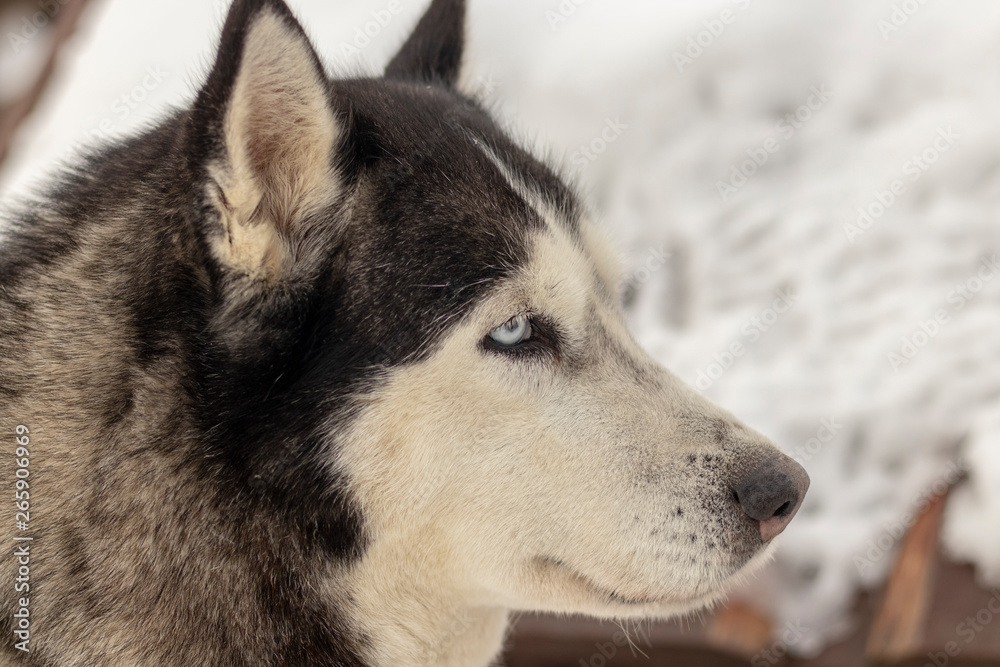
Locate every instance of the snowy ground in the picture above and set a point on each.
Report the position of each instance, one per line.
(730, 146)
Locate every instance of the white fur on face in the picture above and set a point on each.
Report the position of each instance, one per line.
(593, 483)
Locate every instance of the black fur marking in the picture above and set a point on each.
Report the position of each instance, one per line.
(433, 53)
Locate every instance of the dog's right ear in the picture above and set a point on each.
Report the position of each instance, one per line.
(262, 135)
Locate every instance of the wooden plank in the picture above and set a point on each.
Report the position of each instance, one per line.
(901, 620)
(741, 630)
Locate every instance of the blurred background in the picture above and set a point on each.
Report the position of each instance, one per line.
(806, 200)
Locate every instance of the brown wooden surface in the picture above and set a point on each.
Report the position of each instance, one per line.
(901, 622)
(741, 630)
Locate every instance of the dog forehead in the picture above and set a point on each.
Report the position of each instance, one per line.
(571, 267)
(444, 197)
(435, 144)
(558, 274)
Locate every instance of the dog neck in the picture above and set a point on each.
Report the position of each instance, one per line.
(411, 614)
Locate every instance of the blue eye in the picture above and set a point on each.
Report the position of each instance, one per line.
(514, 332)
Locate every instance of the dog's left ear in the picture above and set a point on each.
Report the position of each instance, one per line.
(433, 53)
(263, 136)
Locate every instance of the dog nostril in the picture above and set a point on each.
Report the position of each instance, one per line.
(772, 493)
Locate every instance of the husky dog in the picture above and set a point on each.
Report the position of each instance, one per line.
(331, 372)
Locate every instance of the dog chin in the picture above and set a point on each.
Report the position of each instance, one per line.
(612, 602)
(672, 605)
(715, 593)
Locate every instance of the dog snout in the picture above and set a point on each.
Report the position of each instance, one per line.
(772, 493)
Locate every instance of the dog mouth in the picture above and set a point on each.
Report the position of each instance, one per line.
(614, 596)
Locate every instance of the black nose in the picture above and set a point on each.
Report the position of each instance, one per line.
(772, 493)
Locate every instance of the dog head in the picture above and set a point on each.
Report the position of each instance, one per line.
(435, 314)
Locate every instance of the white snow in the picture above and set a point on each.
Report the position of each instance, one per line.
(918, 105)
